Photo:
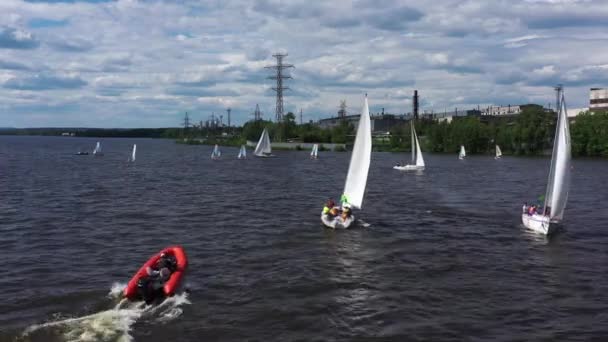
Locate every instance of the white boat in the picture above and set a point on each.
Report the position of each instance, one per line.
(462, 153)
(216, 154)
(97, 150)
(498, 152)
(242, 153)
(558, 184)
(417, 160)
(133, 153)
(263, 148)
(356, 179)
(314, 154)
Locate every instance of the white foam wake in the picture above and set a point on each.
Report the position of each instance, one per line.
(113, 324)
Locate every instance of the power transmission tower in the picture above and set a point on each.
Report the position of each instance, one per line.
(186, 122)
(228, 110)
(257, 115)
(279, 77)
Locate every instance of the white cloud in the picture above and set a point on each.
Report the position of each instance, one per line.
(149, 61)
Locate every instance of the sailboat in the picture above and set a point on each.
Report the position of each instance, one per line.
(263, 148)
(462, 153)
(216, 154)
(97, 150)
(559, 178)
(356, 178)
(417, 160)
(132, 159)
(314, 153)
(498, 152)
(242, 153)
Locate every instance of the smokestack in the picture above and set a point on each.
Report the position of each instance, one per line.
(415, 104)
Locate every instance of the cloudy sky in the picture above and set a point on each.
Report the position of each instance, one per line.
(129, 63)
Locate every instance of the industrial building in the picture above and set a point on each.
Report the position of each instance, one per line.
(598, 99)
(379, 123)
(501, 110)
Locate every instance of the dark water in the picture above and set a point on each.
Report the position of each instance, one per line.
(445, 257)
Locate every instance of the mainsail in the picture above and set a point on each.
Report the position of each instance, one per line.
(419, 159)
(216, 152)
(242, 152)
(498, 152)
(97, 148)
(315, 151)
(133, 153)
(263, 147)
(356, 179)
(559, 175)
(462, 153)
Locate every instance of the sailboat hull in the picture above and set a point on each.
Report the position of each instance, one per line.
(264, 155)
(539, 223)
(337, 222)
(408, 168)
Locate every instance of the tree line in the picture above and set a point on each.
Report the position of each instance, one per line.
(529, 133)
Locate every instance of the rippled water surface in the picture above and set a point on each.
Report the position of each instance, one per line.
(445, 256)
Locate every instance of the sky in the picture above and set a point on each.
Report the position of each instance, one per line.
(144, 63)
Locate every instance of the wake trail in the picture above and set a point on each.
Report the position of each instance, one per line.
(114, 324)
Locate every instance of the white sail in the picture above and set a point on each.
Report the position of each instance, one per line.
(356, 179)
(413, 141)
(97, 148)
(216, 152)
(315, 151)
(498, 152)
(559, 174)
(462, 153)
(263, 147)
(242, 152)
(419, 159)
(133, 153)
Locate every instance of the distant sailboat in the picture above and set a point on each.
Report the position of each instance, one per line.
(314, 154)
(132, 159)
(242, 153)
(216, 154)
(356, 179)
(498, 153)
(417, 160)
(558, 184)
(462, 153)
(97, 150)
(263, 148)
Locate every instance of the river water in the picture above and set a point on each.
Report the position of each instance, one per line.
(445, 256)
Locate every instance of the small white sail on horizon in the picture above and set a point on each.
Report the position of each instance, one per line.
(216, 154)
(97, 150)
(242, 153)
(133, 152)
(358, 169)
(314, 153)
(417, 159)
(462, 153)
(558, 184)
(498, 152)
(263, 148)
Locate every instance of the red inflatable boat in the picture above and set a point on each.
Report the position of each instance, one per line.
(170, 285)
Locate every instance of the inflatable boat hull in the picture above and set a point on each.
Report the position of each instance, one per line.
(171, 285)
